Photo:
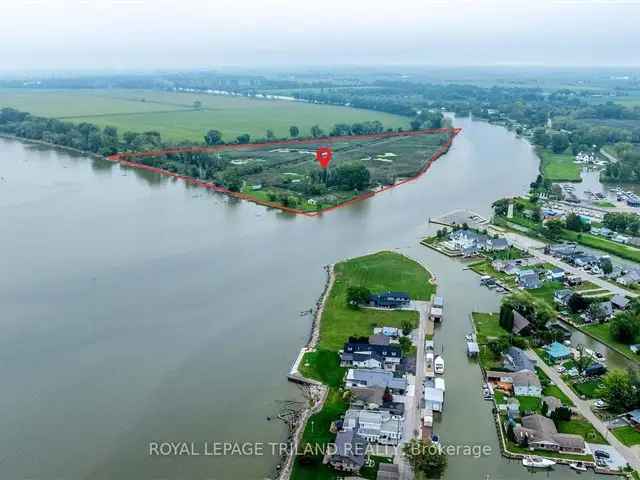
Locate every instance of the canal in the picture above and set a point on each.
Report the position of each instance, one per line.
(138, 309)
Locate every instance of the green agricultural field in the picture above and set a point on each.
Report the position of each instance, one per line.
(174, 116)
(378, 272)
(559, 167)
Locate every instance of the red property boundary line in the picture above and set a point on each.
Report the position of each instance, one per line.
(124, 158)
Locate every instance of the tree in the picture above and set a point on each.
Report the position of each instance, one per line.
(405, 345)
(596, 312)
(574, 222)
(582, 360)
(294, 131)
(406, 327)
(559, 142)
(316, 131)
(553, 229)
(425, 457)
(270, 134)
(244, 138)
(232, 181)
(498, 346)
(606, 265)
(357, 295)
(213, 137)
(617, 391)
(506, 316)
(625, 327)
(577, 303)
(560, 414)
(415, 124)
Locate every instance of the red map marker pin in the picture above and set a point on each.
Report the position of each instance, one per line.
(323, 155)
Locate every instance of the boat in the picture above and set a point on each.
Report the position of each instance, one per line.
(470, 337)
(531, 461)
(438, 365)
(578, 466)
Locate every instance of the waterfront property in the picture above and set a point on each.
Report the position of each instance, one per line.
(375, 378)
(362, 354)
(375, 426)
(350, 452)
(539, 432)
(558, 352)
(521, 383)
(390, 300)
(516, 359)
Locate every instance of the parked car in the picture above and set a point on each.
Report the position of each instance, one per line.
(601, 463)
(601, 454)
(599, 404)
(561, 369)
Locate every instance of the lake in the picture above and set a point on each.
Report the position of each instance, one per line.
(139, 309)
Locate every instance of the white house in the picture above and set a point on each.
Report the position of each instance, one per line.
(434, 399)
(375, 426)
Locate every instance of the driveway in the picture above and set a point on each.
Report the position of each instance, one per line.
(584, 408)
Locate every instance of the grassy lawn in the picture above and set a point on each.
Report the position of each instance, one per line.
(324, 366)
(378, 272)
(583, 428)
(587, 389)
(512, 447)
(602, 333)
(558, 167)
(173, 115)
(554, 391)
(627, 435)
(529, 404)
(604, 204)
(487, 326)
(545, 293)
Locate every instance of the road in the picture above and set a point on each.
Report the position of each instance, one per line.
(534, 247)
(413, 417)
(584, 408)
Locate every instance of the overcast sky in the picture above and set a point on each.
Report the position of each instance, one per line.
(143, 34)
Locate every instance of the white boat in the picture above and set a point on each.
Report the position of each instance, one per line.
(438, 365)
(578, 466)
(537, 462)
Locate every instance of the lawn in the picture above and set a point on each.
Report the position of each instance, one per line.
(627, 435)
(324, 366)
(606, 245)
(529, 404)
(559, 167)
(583, 428)
(173, 115)
(602, 333)
(378, 272)
(545, 293)
(588, 389)
(554, 391)
(487, 326)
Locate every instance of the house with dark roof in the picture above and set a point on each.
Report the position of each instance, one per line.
(365, 355)
(529, 279)
(363, 377)
(619, 302)
(516, 359)
(561, 297)
(541, 433)
(521, 326)
(367, 397)
(350, 452)
(390, 300)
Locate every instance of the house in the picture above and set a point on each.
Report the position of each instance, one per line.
(516, 359)
(390, 300)
(619, 302)
(362, 354)
(556, 275)
(522, 383)
(552, 403)
(633, 418)
(379, 339)
(558, 351)
(596, 369)
(539, 432)
(605, 312)
(521, 326)
(359, 377)
(561, 297)
(498, 244)
(528, 279)
(630, 278)
(367, 397)
(350, 452)
(433, 399)
(388, 471)
(375, 426)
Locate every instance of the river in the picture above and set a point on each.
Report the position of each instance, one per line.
(138, 309)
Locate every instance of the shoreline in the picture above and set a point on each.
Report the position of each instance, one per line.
(295, 376)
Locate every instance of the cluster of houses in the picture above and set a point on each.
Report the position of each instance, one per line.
(376, 379)
(528, 272)
(599, 312)
(519, 379)
(470, 243)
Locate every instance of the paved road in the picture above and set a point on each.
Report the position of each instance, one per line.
(584, 407)
(534, 248)
(413, 417)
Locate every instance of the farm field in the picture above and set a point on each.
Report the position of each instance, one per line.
(174, 116)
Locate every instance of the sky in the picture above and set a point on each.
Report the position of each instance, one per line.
(148, 34)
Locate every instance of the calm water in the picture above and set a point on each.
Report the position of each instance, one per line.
(139, 309)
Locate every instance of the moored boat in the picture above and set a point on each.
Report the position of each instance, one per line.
(578, 466)
(532, 461)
